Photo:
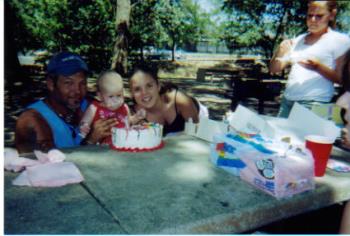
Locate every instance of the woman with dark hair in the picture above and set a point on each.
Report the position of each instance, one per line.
(316, 58)
(164, 104)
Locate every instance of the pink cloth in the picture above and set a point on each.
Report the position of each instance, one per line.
(54, 174)
(48, 171)
(52, 156)
(15, 163)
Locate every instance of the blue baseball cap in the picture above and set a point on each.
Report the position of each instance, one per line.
(66, 64)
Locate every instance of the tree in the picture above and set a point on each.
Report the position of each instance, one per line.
(263, 24)
(120, 52)
(81, 26)
(183, 21)
(167, 23)
(197, 23)
(145, 27)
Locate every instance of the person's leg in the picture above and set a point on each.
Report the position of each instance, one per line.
(345, 221)
(285, 108)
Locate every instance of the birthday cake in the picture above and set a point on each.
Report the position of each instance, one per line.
(138, 138)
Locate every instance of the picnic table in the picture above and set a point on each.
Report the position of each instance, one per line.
(174, 190)
(245, 83)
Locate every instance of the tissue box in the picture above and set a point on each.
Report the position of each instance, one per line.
(275, 167)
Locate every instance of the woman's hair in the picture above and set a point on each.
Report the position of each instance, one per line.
(152, 71)
(331, 5)
(345, 72)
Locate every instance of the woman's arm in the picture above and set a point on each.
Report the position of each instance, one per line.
(325, 71)
(277, 64)
(186, 107)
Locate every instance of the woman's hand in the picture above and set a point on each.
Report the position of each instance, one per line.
(100, 130)
(315, 65)
(311, 64)
(280, 59)
(285, 47)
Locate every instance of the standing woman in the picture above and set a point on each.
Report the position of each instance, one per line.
(316, 58)
(164, 105)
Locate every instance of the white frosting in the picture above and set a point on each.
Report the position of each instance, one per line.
(138, 137)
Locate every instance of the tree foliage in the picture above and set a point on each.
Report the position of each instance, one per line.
(168, 23)
(263, 24)
(88, 27)
(146, 28)
(82, 26)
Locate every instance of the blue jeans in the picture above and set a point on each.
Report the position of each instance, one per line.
(286, 106)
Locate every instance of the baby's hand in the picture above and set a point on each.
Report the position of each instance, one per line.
(141, 114)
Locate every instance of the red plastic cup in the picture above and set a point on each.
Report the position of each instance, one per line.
(321, 147)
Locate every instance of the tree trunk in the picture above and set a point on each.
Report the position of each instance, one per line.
(120, 51)
(14, 74)
(142, 54)
(173, 48)
(280, 27)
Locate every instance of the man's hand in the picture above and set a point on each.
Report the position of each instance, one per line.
(100, 130)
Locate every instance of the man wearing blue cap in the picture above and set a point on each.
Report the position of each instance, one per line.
(53, 121)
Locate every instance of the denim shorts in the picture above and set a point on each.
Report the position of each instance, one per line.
(286, 106)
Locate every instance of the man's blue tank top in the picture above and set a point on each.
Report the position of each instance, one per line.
(62, 132)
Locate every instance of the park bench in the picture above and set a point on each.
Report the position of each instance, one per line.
(33, 68)
(245, 83)
(245, 62)
(212, 72)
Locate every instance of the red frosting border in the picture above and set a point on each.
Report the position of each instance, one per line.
(161, 145)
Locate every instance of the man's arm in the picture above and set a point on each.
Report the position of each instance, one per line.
(99, 130)
(33, 132)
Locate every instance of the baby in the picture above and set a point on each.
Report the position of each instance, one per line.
(110, 105)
